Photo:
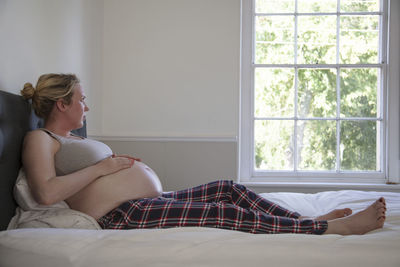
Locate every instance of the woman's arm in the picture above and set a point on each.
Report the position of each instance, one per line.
(47, 188)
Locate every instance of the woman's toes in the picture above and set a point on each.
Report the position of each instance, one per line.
(379, 205)
(381, 221)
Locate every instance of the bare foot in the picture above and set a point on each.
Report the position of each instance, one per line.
(371, 218)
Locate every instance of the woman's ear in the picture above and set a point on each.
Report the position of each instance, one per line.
(61, 105)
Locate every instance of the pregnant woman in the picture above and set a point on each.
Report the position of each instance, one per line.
(121, 192)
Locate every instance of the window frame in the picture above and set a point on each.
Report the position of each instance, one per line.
(389, 91)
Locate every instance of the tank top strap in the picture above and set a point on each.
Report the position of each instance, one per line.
(58, 137)
(51, 134)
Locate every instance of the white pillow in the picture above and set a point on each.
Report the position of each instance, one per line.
(24, 198)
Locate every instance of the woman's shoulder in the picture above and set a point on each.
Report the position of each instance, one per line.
(40, 137)
(36, 134)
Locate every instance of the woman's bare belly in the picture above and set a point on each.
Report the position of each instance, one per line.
(108, 192)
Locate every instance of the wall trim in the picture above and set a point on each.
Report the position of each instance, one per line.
(127, 138)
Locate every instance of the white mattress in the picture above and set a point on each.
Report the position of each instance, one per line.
(214, 247)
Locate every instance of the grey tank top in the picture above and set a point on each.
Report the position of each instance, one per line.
(77, 153)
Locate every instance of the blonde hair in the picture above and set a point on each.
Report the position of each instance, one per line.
(50, 88)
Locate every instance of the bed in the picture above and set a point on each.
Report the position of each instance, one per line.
(43, 246)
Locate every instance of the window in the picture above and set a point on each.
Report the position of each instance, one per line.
(314, 90)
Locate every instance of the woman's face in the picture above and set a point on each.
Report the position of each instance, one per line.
(77, 107)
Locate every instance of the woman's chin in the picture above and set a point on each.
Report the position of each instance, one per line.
(80, 125)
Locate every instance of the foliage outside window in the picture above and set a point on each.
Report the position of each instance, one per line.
(317, 86)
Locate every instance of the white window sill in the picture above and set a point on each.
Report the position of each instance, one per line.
(315, 187)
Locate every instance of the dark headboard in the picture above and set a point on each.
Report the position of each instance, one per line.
(16, 118)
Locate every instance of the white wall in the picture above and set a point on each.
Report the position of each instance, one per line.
(149, 68)
(394, 95)
(171, 74)
(171, 68)
(43, 36)
(167, 68)
(164, 70)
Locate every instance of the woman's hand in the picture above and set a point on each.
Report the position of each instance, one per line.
(127, 156)
(115, 163)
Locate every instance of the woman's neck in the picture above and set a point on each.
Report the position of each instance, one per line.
(57, 128)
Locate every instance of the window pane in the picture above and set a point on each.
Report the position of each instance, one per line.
(316, 143)
(274, 6)
(316, 39)
(273, 145)
(358, 146)
(359, 39)
(359, 5)
(274, 40)
(274, 92)
(317, 93)
(309, 6)
(358, 95)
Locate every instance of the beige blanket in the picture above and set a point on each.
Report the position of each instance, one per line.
(30, 214)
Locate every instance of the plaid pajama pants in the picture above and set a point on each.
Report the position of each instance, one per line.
(220, 204)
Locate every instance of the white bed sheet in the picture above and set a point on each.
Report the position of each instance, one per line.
(214, 247)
